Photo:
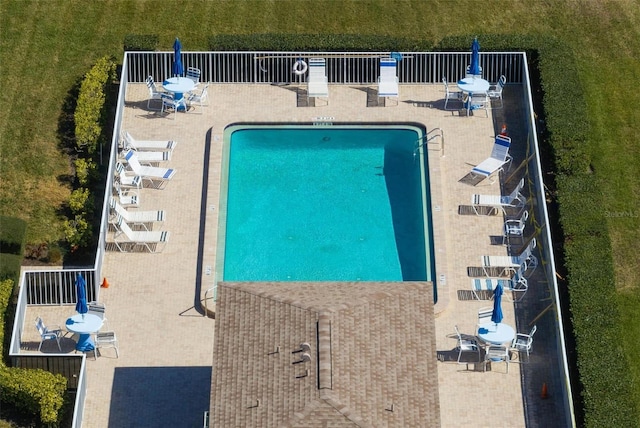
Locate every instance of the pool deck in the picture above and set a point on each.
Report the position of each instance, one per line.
(162, 377)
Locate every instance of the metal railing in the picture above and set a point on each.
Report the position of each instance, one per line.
(342, 68)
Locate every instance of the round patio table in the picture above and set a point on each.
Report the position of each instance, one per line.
(495, 334)
(84, 325)
(473, 85)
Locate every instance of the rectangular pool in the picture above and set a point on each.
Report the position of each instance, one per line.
(324, 203)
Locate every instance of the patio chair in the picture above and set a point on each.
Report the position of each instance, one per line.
(451, 95)
(127, 181)
(497, 160)
(388, 80)
(317, 83)
(468, 73)
(524, 342)
(201, 98)
(134, 217)
(478, 101)
(504, 265)
(155, 175)
(514, 228)
(466, 345)
(517, 285)
(484, 315)
(496, 354)
(98, 309)
(107, 339)
(127, 197)
(154, 93)
(193, 73)
(495, 91)
(514, 200)
(147, 145)
(47, 333)
(125, 239)
(170, 103)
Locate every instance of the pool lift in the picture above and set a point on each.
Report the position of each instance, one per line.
(426, 138)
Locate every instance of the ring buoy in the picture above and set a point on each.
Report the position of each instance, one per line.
(299, 67)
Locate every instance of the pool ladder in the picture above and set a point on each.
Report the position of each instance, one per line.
(426, 139)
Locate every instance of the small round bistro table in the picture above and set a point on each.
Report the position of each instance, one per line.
(84, 325)
(496, 334)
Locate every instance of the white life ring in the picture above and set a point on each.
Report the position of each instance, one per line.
(299, 67)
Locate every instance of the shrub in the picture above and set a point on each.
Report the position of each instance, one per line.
(89, 116)
(85, 170)
(141, 42)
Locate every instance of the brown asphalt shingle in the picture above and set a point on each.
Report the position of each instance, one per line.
(371, 355)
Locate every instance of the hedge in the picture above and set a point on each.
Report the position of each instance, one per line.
(12, 235)
(141, 42)
(315, 42)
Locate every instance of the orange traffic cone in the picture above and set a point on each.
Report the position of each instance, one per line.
(104, 284)
(503, 132)
(545, 393)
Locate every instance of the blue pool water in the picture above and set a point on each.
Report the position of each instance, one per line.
(324, 204)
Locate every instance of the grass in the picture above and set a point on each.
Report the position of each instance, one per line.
(47, 46)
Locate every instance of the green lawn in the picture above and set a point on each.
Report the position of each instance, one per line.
(48, 45)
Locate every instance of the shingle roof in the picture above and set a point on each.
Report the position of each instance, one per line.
(325, 354)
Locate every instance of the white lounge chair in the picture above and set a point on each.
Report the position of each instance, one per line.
(134, 217)
(505, 265)
(126, 239)
(496, 161)
(518, 284)
(317, 83)
(388, 79)
(128, 142)
(155, 175)
(496, 202)
(150, 158)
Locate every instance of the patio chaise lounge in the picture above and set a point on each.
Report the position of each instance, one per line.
(497, 202)
(128, 142)
(134, 217)
(517, 284)
(500, 266)
(388, 79)
(494, 163)
(155, 175)
(149, 240)
(318, 84)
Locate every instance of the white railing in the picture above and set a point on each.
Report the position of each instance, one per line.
(342, 68)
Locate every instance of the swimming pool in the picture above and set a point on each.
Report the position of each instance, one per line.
(324, 203)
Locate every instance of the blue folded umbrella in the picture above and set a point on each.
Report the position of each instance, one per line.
(496, 315)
